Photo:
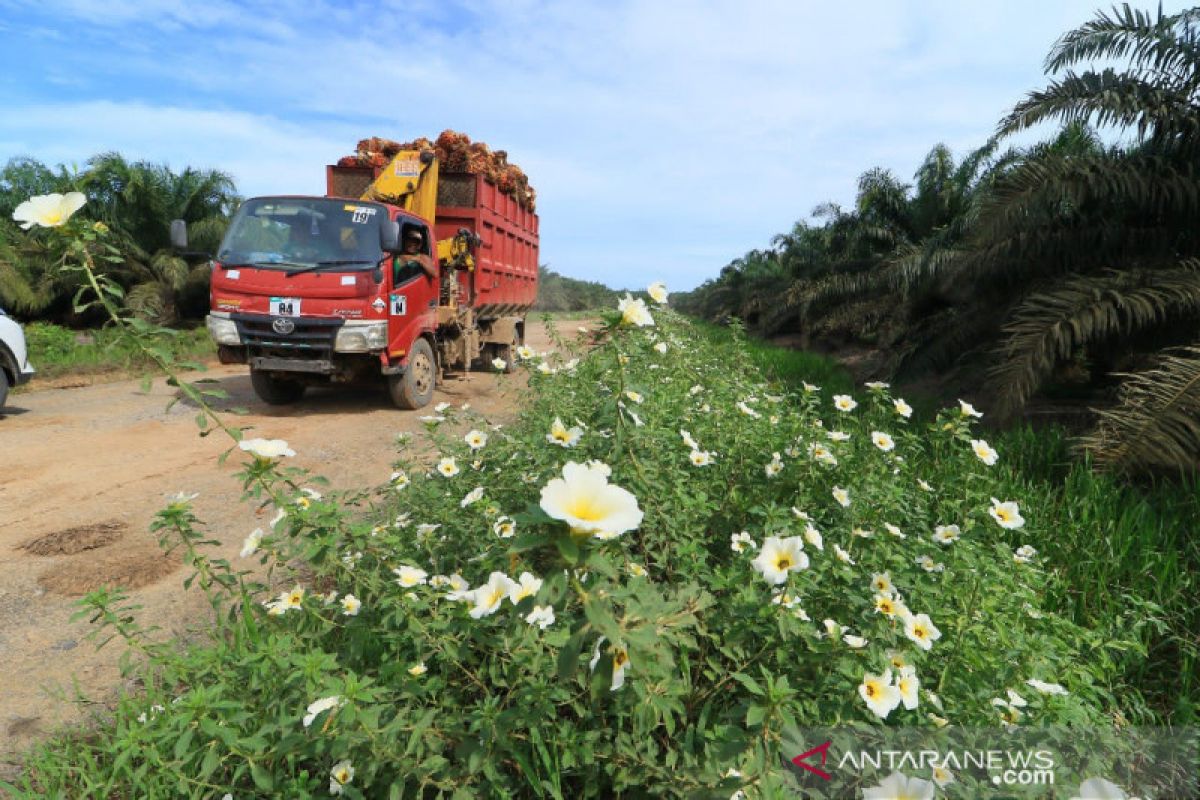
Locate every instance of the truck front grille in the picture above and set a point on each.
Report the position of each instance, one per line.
(311, 338)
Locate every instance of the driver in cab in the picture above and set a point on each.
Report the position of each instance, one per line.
(411, 253)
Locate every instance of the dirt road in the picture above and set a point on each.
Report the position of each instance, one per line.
(82, 472)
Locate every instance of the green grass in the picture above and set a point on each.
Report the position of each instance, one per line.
(782, 364)
(56, 351)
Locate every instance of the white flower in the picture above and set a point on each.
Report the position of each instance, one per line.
(526, 586)
(589, 504)
(700, 458)
(408, 577)
(984, 451)
(882, 441)
(499, 364)
(838, 436)
(798, 514)
(813, 537)
(1025, 553)
(425, 530)
(634, 312)
(545, 368)
(475, 439)
(562, 436)
(908, 684)
(657, 292)
(695, 390)
(747, 410)
(1099, 789)
(317, 706)
(842, 555)
(778, 557)
(894, 530)
(1006, 514)
(920, 629)
(740, 541)
(542, 616)
(504, 527)
(882, 583)
(432, 419)
(899, 786)
(844, 402)
(862, 533)
(460, 590)
(924, 484)
(448, 467)
(636, 397)
(266, 448)
(842, 496)
(929, 565)
(399, 480)
(902, 408)
(854, 642)
(251, 543)
(418, 669)
(809, 388)
(473, 496)
(620, 661)
(774, 467)
(48, 210)
(341, 774)
(946, 534)
(942, 776)
(688, 440)
(1046, 688)
(661, 348)
(968, 410)
(876, 385)
(879, 693)
(351, 605)
(487, 598)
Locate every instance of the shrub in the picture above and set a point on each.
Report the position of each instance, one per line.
(449, 633)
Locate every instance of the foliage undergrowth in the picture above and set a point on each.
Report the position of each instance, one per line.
(55, 351)
(652, 661)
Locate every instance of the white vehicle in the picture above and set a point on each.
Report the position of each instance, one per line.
(14, 356)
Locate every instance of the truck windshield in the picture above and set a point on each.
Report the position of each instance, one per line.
(309, 234)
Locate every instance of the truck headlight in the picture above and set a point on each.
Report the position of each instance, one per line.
(361, 337)
(223, 330)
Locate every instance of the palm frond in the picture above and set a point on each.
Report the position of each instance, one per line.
(1048, 326)
(1156, 424)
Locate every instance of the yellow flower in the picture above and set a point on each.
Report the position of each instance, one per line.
(48, 210)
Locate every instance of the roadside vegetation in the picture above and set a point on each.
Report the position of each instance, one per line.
(559, 293)
(646, 585)
(57, 351)
(1070, 267)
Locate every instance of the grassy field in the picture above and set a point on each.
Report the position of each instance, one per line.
(58, 352)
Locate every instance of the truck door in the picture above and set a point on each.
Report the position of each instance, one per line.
(413, 291)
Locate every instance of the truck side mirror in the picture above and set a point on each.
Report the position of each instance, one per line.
(179, 237)
(389, 236)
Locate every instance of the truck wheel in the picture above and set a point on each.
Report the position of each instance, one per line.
(414, 388)
(3, 388)
(275, 391)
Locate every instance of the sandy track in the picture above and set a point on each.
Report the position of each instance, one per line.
(82, 472)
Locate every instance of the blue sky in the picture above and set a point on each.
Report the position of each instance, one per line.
(664, 138)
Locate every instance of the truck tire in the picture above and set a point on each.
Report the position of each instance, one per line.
(414, 387)
(3, 388)
(275, 391)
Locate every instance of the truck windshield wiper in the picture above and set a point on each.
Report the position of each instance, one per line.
(322, 264)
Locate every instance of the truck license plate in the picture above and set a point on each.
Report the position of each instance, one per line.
(284, 306)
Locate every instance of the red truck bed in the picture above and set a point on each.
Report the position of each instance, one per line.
(506, 264)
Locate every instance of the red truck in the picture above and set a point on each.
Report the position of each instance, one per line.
(399, 272)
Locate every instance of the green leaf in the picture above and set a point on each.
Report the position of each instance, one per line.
(750, 684)
(262, 778)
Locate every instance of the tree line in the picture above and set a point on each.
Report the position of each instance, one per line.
(1016, 268)
(137, 201)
